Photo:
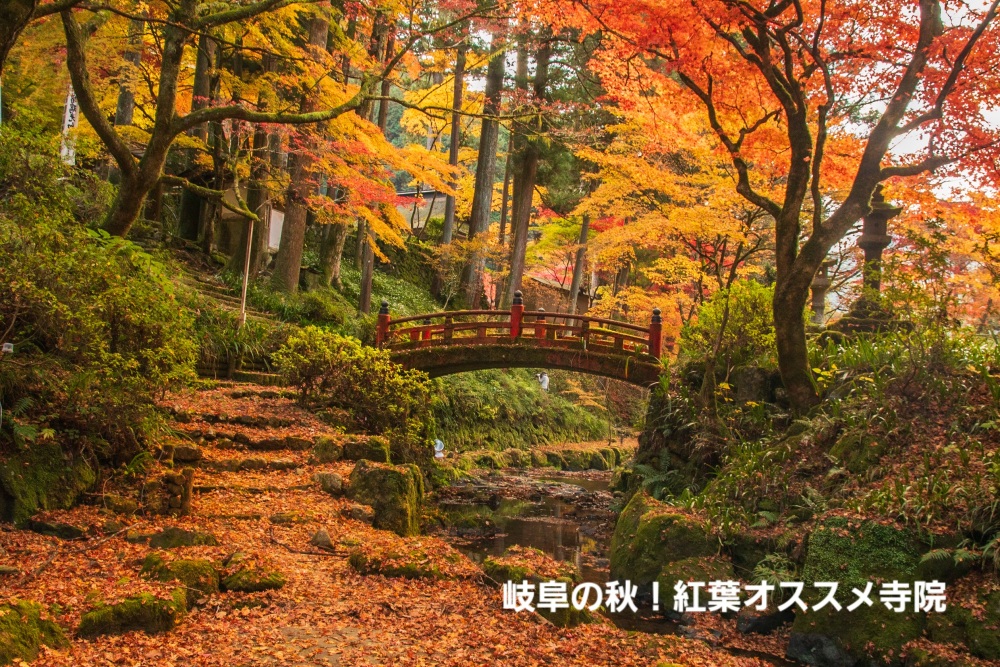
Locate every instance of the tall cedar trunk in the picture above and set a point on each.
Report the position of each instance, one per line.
(525, 172)
(456, 139)
(482, 198)
(288, 262)
(379, 49)
(581, 259)
(192, 204)
(505, 199)
(211, 211)
(259, 202)
(126, 96)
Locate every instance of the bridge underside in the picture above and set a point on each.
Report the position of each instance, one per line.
(439, 360)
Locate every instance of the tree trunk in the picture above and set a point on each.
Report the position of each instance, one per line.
(482, 198)
(526, 156)
(332, 252)
(133, 53)
(258, 201)
(581, 258)
(793, 357)
(456, 140)
(505, 199)
(193, 206)
(14, 18)
(288, 262)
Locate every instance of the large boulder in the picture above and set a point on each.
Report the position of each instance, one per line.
(41, 478)
(974, 624)
(852, 553)
(650, 535)
(23, 631)
(395, 493)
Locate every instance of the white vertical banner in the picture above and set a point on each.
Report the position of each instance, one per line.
(68, 149)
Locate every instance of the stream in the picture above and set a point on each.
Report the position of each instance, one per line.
(566, 515)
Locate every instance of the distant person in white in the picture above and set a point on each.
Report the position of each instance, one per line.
(543, 379)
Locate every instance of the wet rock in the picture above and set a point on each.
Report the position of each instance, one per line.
(819, 651)
(330, 482)
(173, 537)
(23, 632)
(144, 612)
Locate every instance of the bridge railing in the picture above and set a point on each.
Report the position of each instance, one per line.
(542, 329)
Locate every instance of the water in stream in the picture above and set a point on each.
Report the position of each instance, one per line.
(566, 516)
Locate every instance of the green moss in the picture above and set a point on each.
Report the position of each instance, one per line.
(23, 631)
(979, 632)
(395, 493)
(144, 612)
(41, 478)
(650, 534)
(698, 568)
(853, 553)
(252, 580)
(407, 561)
(501, 572)
(173, 537)
(372, 449)
(494, 460)
(199, 577)
(327, 450)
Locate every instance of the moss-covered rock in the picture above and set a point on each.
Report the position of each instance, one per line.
(527, 564)
(41, 478)
(144, 612)
(244, 576)
(199, 577)
(327, 450)
(412, 558)
(173, 537)
(23, 631)
(853, 553)
(370, 449)
(650, 534)
(395, 493)
(978, 629)
(698, 568)
(489, 459)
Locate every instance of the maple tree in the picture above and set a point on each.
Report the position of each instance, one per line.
(818, 93)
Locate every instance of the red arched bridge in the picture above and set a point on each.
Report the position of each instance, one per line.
(468, 340)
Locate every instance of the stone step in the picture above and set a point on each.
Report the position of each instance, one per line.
(249, 464)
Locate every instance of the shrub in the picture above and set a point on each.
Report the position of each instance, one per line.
(334, 371)
(747, 330)
(97, 326)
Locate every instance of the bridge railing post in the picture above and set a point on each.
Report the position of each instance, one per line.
(540, 324)
(427, 331)
(449, 326)
(516, 314)
(382, 328)
(656, 334)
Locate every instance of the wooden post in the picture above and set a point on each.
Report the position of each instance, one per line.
(382, 329)
(516, 313)
(448, 328)
(656, 334)
(540, 324)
